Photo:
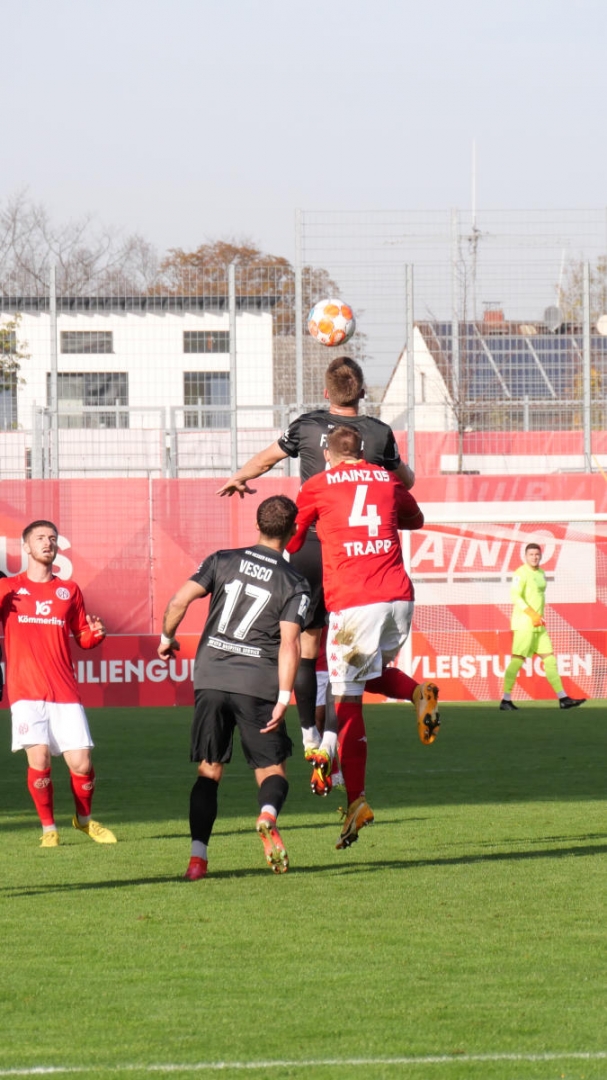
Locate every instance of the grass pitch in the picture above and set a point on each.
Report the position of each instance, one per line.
(462, 937)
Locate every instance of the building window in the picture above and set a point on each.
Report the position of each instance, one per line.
(206, 341)
(83, 397)
(8, 401)
(87, 341)
(205, 396)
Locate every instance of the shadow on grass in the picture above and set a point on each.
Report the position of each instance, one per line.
(578, 850)
(482, 757)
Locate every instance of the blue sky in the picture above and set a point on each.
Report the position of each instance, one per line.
(201, 119)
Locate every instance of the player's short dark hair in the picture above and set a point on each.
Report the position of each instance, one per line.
(344, 381)
(344, 442)
(37, 525)
(533, 547)
(276, 517)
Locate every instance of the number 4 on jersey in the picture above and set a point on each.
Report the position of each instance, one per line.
(358, 516)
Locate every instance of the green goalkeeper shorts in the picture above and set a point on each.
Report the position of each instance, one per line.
(535, 639)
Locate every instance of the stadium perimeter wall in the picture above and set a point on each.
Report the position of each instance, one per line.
(131, 542)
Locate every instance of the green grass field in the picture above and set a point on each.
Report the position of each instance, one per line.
(463, 936)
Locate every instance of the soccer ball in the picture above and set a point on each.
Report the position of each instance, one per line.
(331, 322)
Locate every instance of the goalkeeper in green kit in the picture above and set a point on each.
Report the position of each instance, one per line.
(530, 636)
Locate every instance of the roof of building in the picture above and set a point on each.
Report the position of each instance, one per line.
(513, 360)
(137, 303)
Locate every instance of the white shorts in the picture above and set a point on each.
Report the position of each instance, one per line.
(362, 640)
(49, 723)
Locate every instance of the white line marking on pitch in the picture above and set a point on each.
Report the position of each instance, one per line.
(251, 1066)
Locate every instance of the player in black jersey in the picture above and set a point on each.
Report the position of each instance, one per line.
(244, 673)
(306, 438)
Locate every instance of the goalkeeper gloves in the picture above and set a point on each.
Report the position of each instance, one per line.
(536, 619)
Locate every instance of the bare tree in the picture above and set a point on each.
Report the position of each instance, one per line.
(88, 257)
(570, 291)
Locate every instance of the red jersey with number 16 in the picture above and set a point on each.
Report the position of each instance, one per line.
(38, 617)
(358, 509)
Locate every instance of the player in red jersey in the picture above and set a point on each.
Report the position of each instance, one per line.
(38, 612)
(358, 509)
(306, 439)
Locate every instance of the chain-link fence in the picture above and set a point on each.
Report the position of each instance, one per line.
(506, 316)
(505, 313)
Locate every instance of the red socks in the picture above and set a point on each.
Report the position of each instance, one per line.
(352, 746)
(40, 787)
(393, 683)
(82, 790)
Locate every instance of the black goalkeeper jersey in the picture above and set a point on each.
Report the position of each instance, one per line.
(306, 438)
(253, 590)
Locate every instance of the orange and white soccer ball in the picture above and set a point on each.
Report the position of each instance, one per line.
(331, 322)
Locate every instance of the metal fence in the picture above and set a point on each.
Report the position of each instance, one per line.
(472, 328)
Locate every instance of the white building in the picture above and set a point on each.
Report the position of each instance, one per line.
(142, 381)
(432, 400)
(150, 353)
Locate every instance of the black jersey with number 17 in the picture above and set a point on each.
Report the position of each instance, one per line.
(306, 438)
(253, 590)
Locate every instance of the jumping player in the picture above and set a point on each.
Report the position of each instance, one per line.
(306, 438)
(39, 611)
(244, 672)
(359, 508)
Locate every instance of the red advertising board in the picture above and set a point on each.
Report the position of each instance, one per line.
(131, 543)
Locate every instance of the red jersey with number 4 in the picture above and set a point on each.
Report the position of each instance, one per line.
(358, 510)
(38, 618)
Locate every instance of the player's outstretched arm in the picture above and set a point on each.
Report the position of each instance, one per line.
(173, 616)
(289, 654)
(256, 466)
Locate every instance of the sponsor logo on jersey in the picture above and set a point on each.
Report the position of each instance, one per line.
(43, 607)
(62, 593)
(53, 621)
(304, 604)
(258, 555)
(23, 592)
(231, 646)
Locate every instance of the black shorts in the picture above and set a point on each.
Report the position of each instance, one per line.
(308, 561)
(217, 712)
